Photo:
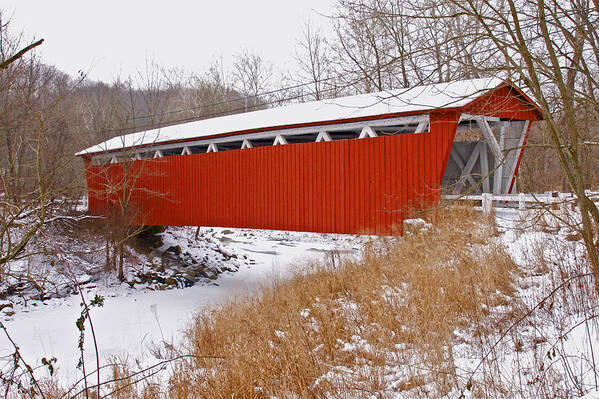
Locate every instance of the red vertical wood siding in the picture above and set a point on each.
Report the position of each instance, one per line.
(504, 102)
(350, 186)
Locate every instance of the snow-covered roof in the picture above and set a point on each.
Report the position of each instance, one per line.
(400, 101)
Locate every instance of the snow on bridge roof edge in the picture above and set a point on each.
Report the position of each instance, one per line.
(408, 100)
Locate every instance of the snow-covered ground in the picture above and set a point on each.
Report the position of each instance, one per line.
(552, 350)
(135, 320)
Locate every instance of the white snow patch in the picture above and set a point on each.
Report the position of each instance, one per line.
(133, 321)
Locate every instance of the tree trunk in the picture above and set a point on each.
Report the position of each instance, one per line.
(121, 260)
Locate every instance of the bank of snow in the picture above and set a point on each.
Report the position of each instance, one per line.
(134, 321)
(529, 344)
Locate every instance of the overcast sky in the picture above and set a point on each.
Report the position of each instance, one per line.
(112, 37)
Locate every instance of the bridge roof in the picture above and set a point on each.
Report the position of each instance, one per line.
(359, 107)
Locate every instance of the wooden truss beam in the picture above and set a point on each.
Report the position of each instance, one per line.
(323, 136)
(460, 162)
(246, 144)
(467, 170)
(280, 140)
(367, 131)
(488, 134)
(388, 122)
(422, 127)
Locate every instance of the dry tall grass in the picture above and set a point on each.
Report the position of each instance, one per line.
(380, 325)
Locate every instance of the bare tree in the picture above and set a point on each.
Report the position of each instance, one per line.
(552, 48)
(387, 44)
(315, 64)
(31, 97)
(252, 76)
(363, 52)
(37, 168)
(207, 94)
(137, 103)
(7, 58)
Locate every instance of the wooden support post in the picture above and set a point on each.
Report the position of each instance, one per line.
(498, 175)
(555, 200)
(487, 203)
(484, 167)
(496, 149)
(516, 158)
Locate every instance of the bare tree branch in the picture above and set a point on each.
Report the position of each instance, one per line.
(20, 54)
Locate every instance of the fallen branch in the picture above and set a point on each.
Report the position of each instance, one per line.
(72, 218)
(21, 53)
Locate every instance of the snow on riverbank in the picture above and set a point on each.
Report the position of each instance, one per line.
(135, 322)
(132, 321)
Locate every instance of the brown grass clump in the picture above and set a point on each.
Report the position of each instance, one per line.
(352, 329)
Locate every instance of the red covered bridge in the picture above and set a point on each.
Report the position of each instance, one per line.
(347, 165)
